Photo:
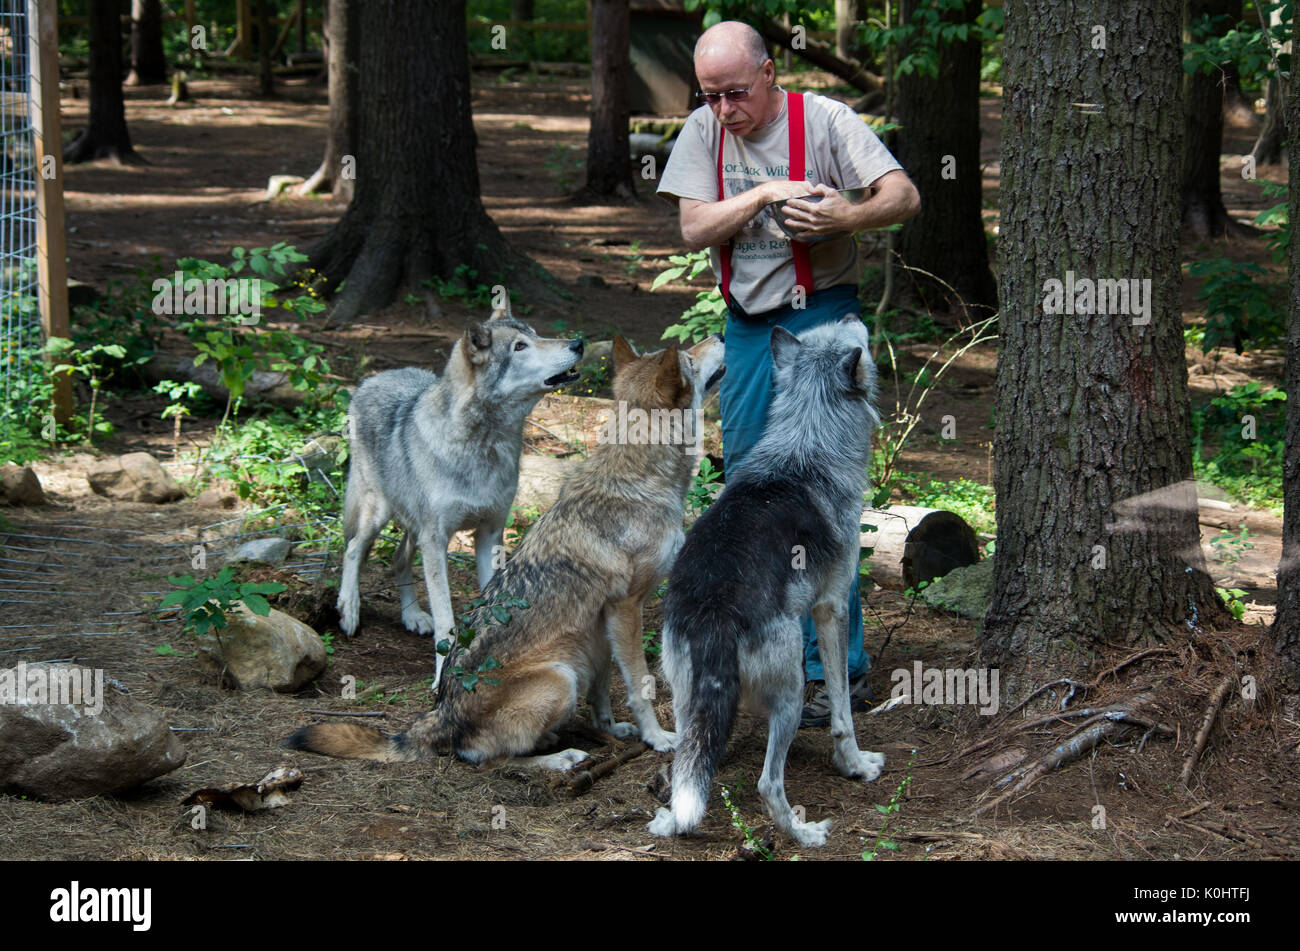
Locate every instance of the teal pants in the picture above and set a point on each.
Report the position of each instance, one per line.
(744, 396)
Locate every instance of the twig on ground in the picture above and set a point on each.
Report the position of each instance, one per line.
(1207, 724)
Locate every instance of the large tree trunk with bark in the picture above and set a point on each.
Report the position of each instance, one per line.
(1097, 537)
(609, 169)
(337, 171)
(148, 64)
(417, 211)
(1203, 211)
(105, 135)
(1286, 624)
(939, 146)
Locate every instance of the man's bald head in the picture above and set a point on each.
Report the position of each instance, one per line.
(731, 39)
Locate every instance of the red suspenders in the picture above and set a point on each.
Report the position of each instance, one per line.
(802, 261)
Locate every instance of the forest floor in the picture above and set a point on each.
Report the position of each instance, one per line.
(202, 194)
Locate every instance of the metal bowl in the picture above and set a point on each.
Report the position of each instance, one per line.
(854, 195)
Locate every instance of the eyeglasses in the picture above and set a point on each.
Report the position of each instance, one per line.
(733, 95)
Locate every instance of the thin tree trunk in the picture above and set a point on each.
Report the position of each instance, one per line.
(105, 135)
(1097, 537)
(265, 40)
(1203, 211)
(417, 211)
(1272, 134)
(337, 171)
(939, 146)
(523, 12)
(148, 64)
(1286, 624)
(609, 170)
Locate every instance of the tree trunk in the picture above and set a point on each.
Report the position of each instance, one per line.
(1286, 625)
(337, 172)
(1272, 134)
(148, 64)
(1093, 460)
(523, 12)
(265, 40)
(1238, 110)
(1203, 211)
(939, 146)
(609, 170)
(846, 28)
(105, 135)
(416, 213)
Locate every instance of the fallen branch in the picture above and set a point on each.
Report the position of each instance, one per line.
(1113, 720)
(1207, 724)
(578, 782)
(346, 713)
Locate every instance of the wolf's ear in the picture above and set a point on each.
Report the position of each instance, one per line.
(668, 378)
(478, 341)
(851, 369)
(623, 353)
(783, 345)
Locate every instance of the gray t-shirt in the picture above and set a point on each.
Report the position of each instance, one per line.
(841, 151)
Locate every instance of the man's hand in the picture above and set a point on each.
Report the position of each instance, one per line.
(834, 214)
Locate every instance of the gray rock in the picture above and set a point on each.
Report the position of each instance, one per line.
(268, 551)
(20, 486)
(966, 591)
(277, 651)
(65, 751)
(134, 477)
(540, 478)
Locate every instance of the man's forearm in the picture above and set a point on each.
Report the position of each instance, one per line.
(706, 224)
(888, 206)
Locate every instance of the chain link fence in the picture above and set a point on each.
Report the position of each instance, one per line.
(19, 309)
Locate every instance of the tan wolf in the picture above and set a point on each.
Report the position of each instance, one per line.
(583, 572)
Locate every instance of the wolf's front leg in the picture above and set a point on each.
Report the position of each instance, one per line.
(489, 552)
(623, 631)
(434, 547)
(832, 635)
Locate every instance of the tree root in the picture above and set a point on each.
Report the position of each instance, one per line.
(1104, 723)
(1207, 724)
(577, 781)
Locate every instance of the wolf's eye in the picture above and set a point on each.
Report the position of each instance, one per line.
(520, 345)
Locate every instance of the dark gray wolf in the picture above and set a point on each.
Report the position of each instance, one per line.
(583, 572)
(781, 541)
(441, 455)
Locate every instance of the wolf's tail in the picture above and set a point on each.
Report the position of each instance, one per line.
(350, 741)
(711, 701)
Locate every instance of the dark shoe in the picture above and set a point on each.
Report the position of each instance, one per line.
(817, 711)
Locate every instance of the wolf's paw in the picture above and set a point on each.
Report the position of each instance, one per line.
(349, 613)
(417, 621)
(622, 730)
(860, 765)
(810, 833)
(661, 741)
(662, 823)
(564, 760)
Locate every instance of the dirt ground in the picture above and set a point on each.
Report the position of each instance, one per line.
(203, 194)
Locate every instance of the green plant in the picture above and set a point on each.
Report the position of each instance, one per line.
(204, 604)
(752, 841)
(650, 643)
(1239, 441)
(972, 500)
(563, 163)
(86, 363)
(703, 485)
(1229, 547)
(1232, 599)
(464, 286)
(328, 639)
(166, 650)
(1242, 308)
(481, 612)
(177, 408)
(708, 315)
(890, 812)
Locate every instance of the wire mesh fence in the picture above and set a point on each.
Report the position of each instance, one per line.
(19, 308)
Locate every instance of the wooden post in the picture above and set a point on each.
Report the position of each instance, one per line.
(51, 236)
(191, 18)
(302, 25)
(242, 47)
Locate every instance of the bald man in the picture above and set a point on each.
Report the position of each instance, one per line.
(735, 155)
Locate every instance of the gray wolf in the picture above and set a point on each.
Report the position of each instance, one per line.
(780, 541)
(581, 575)
(441, 455)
